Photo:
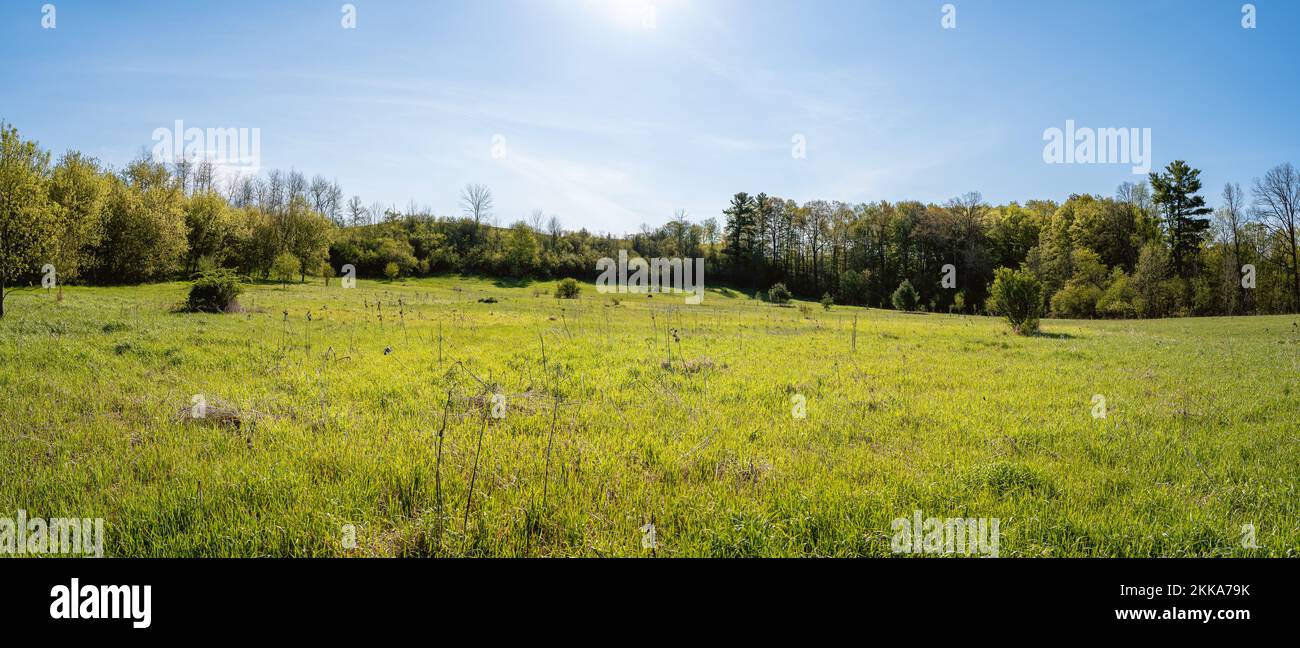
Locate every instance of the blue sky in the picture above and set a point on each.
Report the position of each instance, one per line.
(609, 124)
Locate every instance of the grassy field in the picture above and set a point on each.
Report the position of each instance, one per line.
(645, 411)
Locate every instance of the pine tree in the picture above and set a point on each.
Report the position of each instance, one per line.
(1174, 191)
(741, 231)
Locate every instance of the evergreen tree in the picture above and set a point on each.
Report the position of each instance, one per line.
(1175, 192)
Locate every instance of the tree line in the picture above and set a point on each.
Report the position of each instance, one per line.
(1154, 249)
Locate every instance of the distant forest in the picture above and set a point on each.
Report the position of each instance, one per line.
(1154, 249)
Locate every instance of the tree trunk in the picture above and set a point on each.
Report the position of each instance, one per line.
(1295, 272)
(1236, 253)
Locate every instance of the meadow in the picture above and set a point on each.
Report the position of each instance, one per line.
(365, 422)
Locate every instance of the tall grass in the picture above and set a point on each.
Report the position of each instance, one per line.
(645, 409)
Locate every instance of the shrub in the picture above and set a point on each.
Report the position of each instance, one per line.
(1118, 299)
(779, 294)
(1076, 301)
(827, 301)
(905, 298)
(214, 292)
(1018, 295)
(391, 270)
(568, 289)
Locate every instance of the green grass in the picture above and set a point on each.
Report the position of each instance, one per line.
(950, 415)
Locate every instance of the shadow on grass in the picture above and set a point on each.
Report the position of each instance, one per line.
(513, 282)
(1054, 336)
(274, 283)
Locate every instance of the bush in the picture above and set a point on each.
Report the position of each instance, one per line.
(1118, 299)
(1018, 295)
(391, 270)
(1076, 301)
(827, 301)
(779, 294)
(568, 289)
(214, 292)
(905, 298)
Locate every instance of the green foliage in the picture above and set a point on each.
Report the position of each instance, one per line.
(1155, 293)
(568, 288)
(1119, 298)
(371, 250)
(306, 235)
(29, 222)
(257, 243)
(285, 267)
(1076, 301)
(79, 188)
(905, 297)
(1107, 228)
(827, 301)
(743, 229)
(1175, 192)
(959, 302)
(521, 250)
(144, 225)
(151, 222)
(779, 294)
(214, 291)
(1018, 296)
(1079, 297)
(210, 227)
(391, 270)
(1013, 230)
(855, 287)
